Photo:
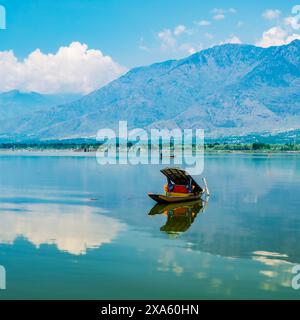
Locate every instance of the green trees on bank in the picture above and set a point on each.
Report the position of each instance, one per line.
(255, 147)
(209, 147)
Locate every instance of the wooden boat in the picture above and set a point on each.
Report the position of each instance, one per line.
(178, 177)
(159, 198)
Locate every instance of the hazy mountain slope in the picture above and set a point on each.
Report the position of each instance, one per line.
(14, 102)
(227, 90)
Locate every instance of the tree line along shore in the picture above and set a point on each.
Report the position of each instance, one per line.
(208, 147)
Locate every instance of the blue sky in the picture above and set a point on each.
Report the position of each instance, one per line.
(138, 32)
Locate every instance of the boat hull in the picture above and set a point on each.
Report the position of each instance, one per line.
(159, 198)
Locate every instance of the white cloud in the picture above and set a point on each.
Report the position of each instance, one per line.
(232, 40)
(171, 41)
(189, 48)
(192, 51)
(271, 14)
(272, 37)
(219, 16)
(292, 37)
(203, 23)
(142, 45)
(276, 36)
(179, 30)
(71, 69)
(232, 10)
(292, 22)
(219, 13)
(167, 39)
(284, 32)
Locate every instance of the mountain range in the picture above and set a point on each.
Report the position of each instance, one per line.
(16, 103)
(228, 90)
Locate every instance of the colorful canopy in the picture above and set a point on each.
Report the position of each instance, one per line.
(181, 177)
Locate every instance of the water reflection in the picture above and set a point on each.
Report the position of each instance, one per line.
(180, 216)
(72, 229)
(245, 246)
(275, 269)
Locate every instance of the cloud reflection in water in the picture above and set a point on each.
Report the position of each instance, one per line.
(73, 229)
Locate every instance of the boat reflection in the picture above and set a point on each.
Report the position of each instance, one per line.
(180, 216)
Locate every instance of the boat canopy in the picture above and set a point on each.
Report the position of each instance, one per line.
(181, 177)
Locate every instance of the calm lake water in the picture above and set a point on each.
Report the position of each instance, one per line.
(70, 228)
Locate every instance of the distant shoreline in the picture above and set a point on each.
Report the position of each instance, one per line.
(80, 153)
(87, 147)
